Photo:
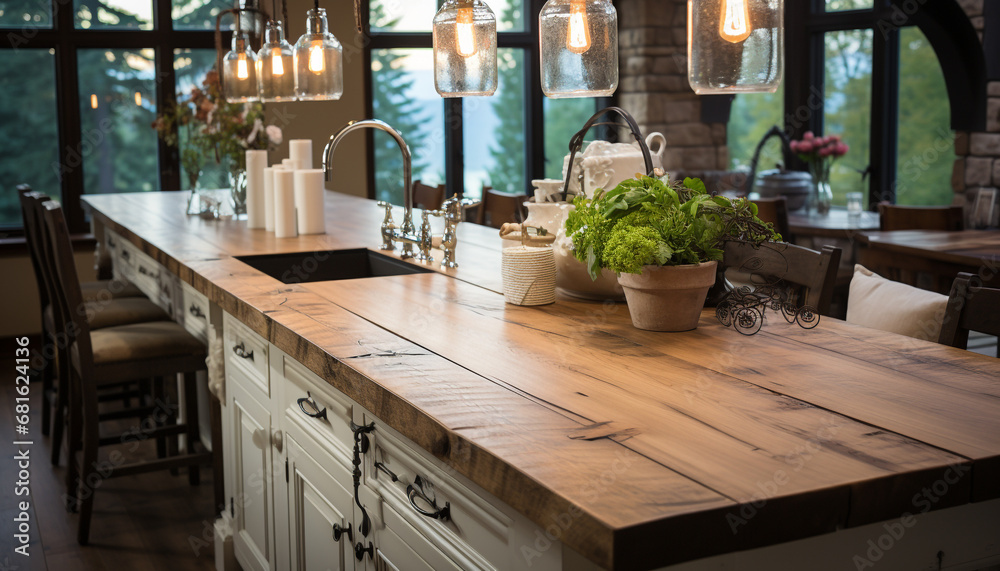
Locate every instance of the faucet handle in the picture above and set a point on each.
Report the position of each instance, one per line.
(388, 226)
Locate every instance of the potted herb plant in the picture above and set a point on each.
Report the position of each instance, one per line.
(664, 241)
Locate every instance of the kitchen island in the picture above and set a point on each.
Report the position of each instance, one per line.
(622, 448)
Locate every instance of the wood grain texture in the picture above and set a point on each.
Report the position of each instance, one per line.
(618, 438)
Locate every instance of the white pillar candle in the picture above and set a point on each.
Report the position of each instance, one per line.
(291, 164)
(273, 202)
(309, 206)
(269, 199)
(301, 151)
(284, 204)
(256, 201)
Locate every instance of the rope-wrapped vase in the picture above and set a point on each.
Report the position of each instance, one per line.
(528, 270)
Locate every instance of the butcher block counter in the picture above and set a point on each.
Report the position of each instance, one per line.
(635, 449)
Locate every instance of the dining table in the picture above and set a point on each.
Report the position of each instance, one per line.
(931, 259)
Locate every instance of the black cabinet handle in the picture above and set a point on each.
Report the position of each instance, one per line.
(338, 531)
(381, 466)
(196, 311)
(418, 492)
(241, 351)
(359, 551)
(309, 407)
(125, 254)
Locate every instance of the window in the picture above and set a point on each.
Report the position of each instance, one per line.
(869, 71)
(115, 70)
(502, 142)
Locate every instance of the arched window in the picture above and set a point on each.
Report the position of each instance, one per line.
(895, 78)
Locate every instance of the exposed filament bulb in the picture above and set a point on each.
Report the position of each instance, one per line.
(578, 34)
(316, 63)
(277, 66)
(241, 67)
(465, 32)
(734, 25)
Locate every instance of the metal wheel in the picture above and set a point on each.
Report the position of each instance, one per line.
(807, 317)
(789, 312)
(748, 320)
(724, 313)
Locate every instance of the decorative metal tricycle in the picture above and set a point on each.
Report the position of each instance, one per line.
(744, 308)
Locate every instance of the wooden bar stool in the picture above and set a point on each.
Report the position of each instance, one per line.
(970, 308)
(428, 197)
(102, 309)
(110, 356)
(498, 208)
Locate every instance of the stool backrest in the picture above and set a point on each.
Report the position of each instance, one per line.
(893, 217)
(815, 272)
(970, 308)
(71, 311)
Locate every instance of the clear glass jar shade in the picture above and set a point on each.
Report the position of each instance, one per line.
(239, 70)
(579, 45)
(735, 45)
(276, 66)
(319, 61)
(465, 49)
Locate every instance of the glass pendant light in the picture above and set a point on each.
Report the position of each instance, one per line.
(276, 65)
(319, 68)
(735, 45)
(465, 49)
(579, 42)
(239, 71)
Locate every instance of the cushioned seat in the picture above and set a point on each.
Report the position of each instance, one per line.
(115, 289)
(114, 312)
(141, 341)
(894, 307)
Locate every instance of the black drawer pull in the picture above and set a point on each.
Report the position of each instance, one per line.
(381, 466)
(313, 411)
(241, 351)
(418, 492)
(111, 243)
(359, 551)
(196, 311)
(125, 254)
(338, 531)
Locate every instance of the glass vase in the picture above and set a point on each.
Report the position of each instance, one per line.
(238, 193)
(822, 197)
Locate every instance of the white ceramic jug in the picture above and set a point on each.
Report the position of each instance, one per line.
(605, 165)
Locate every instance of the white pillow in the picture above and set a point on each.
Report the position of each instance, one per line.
(895, 307)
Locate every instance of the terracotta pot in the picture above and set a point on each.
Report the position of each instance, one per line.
(668, 298)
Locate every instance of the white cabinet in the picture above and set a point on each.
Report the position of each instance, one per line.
(252, 482)
(320, 509)
(291, 449)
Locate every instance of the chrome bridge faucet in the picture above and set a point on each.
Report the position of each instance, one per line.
(453, 209)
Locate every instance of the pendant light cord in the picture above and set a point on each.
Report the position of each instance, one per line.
(316, 5)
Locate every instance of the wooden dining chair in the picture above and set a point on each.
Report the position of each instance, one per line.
(813, 273)
(775, 211)
(499, 208)
(111, 356)
(428, 197)
(108, 303)
(894, 217)
(970, 308)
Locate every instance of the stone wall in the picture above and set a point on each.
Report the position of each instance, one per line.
(978, 163)
(654, 86)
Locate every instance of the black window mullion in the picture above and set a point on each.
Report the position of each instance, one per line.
(534, 108)
(885, 116)
(166, 94)
(70, 132)
(454, 145)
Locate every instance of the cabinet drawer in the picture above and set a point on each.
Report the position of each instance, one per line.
(192, 312)
(476, 534)
(333, 427)
(246, 352)
(143, 271)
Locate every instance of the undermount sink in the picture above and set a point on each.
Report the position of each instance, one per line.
(324, 266)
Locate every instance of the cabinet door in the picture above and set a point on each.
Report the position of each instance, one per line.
(318, 501)
(399, 547)
(253, 523)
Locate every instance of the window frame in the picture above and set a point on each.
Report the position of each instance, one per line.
(534, 109)
(947, 28)
(65, 39)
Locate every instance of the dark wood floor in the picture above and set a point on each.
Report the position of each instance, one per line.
(149, 521)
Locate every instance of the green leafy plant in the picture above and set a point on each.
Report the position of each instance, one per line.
(648, 222)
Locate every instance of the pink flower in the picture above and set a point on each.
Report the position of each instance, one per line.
(806, 147)
(825, 152)
(794, 146)
(842, 149)
(808, 136)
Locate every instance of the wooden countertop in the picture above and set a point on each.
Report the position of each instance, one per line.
(636, 449)
(968, 247)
